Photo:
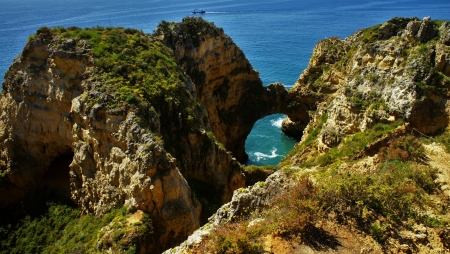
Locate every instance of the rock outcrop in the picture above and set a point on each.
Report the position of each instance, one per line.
(245, 200)
(391, 77)
(397, 70)
(126, 146)
(116, 161)
(227, 84)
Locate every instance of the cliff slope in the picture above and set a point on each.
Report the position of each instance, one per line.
(113, 104)
(369, 174)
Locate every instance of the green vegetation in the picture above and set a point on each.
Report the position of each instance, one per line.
(396, 194)
(193, 27)
(45, 222)
(353, 144)
(365, 101)
(212, 137)
(132, 69)
(313, 132)
(236, 238)
(443, 139)
(436, 83)
(371, 34)
(348, 148)
(133, 65)
(427, 77)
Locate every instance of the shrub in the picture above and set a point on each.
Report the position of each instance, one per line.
(352, 144)
(443, 139)
(297, 208)
(396, 190)
(405, 149)
(236, 238)
(378, 231)
(57, 227)
(371, 34)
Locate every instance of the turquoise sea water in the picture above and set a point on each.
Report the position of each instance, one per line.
(277, 36)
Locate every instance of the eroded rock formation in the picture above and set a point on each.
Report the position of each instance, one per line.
(53, 105)
(116, 162)
(227, 84)
(396, 70)
(149, 150)
(392, 75)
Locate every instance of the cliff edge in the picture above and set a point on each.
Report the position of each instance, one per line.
(146, 132)
(369, 174)
(107, 118)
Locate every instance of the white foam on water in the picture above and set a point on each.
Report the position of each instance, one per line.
(277, 122)
(263, 156)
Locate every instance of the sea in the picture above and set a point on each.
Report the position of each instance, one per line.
(277, 36)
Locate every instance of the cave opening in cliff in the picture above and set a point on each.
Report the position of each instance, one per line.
(57, 178)
(267, 144)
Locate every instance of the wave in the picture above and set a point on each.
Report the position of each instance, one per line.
(277, 122)
(263, 156)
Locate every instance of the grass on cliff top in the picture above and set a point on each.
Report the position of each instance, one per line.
(192, 29)
(132, 64)
(305, 154)
(254, 174)
(397, 194)
(131, 68)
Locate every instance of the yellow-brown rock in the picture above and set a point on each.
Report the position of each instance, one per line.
(46, 113)
(380, 74)
(225, 82)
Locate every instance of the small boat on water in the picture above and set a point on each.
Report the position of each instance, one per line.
(196, 11)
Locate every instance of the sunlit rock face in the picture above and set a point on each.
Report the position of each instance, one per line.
(226, 83)
(396, 70)
(52, 106)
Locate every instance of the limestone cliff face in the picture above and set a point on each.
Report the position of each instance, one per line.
(115, 162)
(54, 103)
(225, 81)
(397, 70)
(394, 71)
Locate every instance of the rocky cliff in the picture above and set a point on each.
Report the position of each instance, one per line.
(227, 84)
(125, 119)
(368, 175)
(113, 117)
(396, 70)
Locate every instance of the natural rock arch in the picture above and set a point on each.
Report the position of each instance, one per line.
(227, 84)
(45, 114)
